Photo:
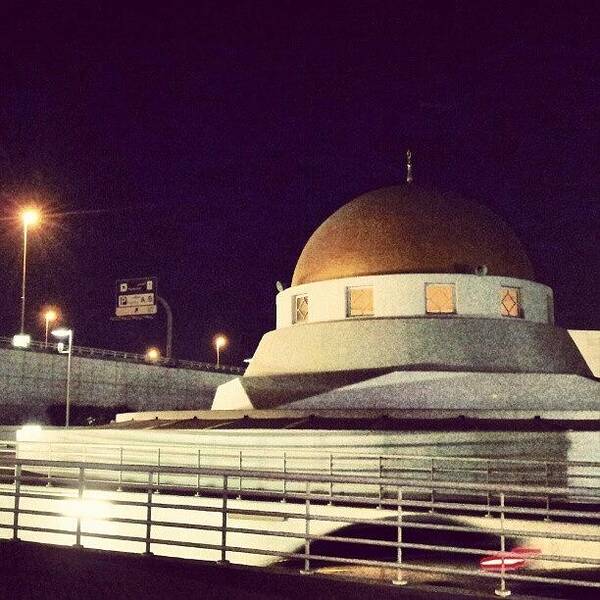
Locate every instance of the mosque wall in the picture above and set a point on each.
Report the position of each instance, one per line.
(404, 296)
(475, 344)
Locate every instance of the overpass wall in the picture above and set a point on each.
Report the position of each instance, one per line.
(33, 386)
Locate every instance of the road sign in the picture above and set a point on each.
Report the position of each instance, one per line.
(136, 297)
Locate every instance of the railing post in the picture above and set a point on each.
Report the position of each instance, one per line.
(502, 591)
(399, 575)
(488, 494)
(49, 482)
(149, 512)
(224, 560)
(239, 496)
(157, 491)
(306, 570)
(431, 478)
(79, 506)
(198, 476)
(120, 488)
(380, 470)
(17, 500)
(284, 490)
(330, 480)
(547, 480)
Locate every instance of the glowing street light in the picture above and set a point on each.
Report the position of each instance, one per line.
(49, 317)
(64, 333)
(152, 355)
(29, 217)
(220, 342)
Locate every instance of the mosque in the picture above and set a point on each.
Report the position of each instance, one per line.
(413, 323)
(418, 303)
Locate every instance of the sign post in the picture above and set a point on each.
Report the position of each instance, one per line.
(137, 298)
(169, 314)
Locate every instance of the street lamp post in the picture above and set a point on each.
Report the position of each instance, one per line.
(220, 342)
(29, 217)
(68, 334)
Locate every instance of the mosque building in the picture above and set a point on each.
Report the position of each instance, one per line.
(413, 323)
(408, 299)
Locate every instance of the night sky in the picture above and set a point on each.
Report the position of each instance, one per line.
(204, 142)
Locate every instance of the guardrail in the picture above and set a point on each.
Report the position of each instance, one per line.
(101, 353)
(293, 518)
(428, 468)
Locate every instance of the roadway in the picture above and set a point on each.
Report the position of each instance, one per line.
(29, 570)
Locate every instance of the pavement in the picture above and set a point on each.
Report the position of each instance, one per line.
(29, 570)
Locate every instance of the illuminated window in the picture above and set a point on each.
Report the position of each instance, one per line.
(300, 309)
(439, 298)
(359, 302)
(510, 302)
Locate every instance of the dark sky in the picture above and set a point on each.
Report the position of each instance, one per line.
(216, 137)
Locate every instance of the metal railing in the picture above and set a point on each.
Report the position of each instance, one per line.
(101, 353)
(432, 469)
(311, 519)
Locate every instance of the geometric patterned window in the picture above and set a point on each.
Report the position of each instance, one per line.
(439, 298)
(510, 302)
(359, 302)
(300, 309)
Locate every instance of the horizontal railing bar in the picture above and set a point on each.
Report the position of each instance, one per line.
(289, 471)
(542, 512)
(337, 454)
(313, 477)
(372, 500)
(425, 504)
(385, 473)
(315, 517)
(46, 530)
(50, 497)
(323, 518)
(59, 515)
(110, 536)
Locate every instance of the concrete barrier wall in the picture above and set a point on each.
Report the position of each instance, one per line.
(33, 386)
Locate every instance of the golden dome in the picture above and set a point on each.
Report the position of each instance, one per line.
(408, 229)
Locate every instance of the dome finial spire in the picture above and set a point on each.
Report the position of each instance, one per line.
(409, 176)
